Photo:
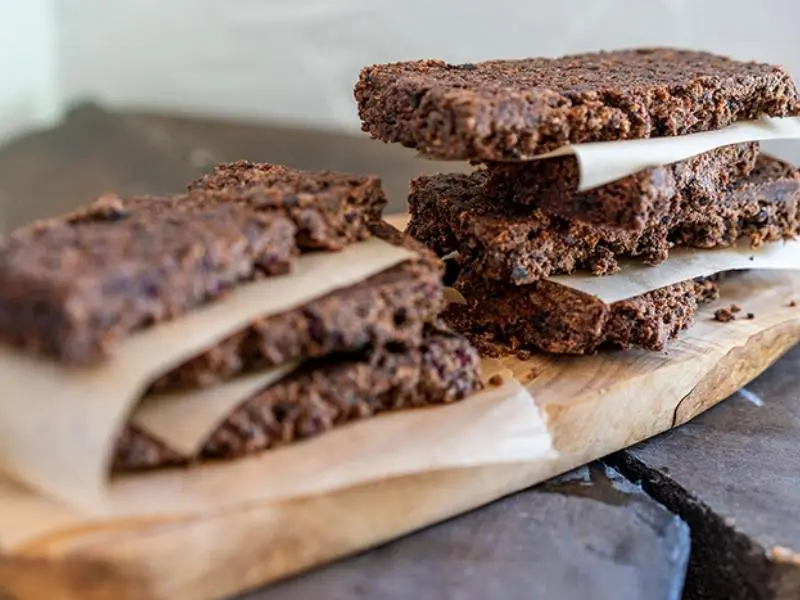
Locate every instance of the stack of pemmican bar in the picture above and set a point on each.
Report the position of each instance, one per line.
(82, 290)
(519, 219)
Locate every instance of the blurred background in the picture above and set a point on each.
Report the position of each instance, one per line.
(141, 95)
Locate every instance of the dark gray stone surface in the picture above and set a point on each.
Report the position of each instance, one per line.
(734, 475)
(589, 535)
(93, 152)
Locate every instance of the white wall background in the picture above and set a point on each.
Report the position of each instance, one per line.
(297, 60)
(28, 74)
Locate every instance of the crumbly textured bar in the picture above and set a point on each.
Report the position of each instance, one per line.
(327, 393)
(764, 207)
(510, 109)
(554, 318)
(516, 244)
(73, 287)
(390, 308)
(330, 209)
(630, 203)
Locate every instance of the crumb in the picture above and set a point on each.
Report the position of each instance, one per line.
(735, 308)
(486, 346)
(533, 374)
(792, 304)
(723, 315)
(523, 354)
(751, 316)
(496, 380)
(752, 258)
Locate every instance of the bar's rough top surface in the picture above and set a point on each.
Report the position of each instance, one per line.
(330, 209)
(74, 286)
(510, 109)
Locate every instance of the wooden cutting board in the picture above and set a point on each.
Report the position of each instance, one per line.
(591, 406)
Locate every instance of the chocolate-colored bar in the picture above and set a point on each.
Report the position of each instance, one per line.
(74, 287)
(629, 203)
(512, 243)
(512, 109)
(555, 318)
(329, 209)
(390, 308)
(324, 394)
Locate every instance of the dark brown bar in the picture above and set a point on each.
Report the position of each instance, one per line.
(629, 203)
(511, 109)
(554, 318)
(505, 242)
(390, 308)
(329, 209)
(74, 287)
(326, 393)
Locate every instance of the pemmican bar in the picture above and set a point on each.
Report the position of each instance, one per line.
(326, 393)
(554, 318)
(509, 243)
(329, 209)
(513, 109)
(633, 202)
(74, 287)
(390, 308)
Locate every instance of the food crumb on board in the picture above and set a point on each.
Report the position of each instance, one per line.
(524, 354)
(496, 380)
(486, 347)
(792, 303)
(723, 315)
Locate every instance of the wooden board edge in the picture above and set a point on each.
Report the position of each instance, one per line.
(737, 368)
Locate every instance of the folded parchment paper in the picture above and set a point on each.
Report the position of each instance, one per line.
(499, 425)
(604, 162)
(636, 278)
(184, 420)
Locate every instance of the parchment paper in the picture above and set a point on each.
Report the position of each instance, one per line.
(183, 421)
(604, 162)
(58, 425)
(683, 264)
(499, 425)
